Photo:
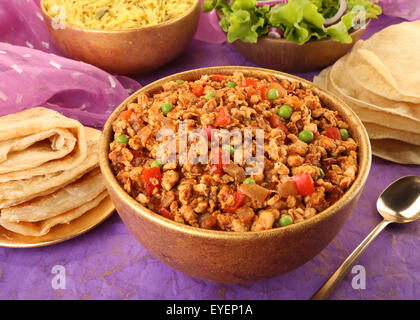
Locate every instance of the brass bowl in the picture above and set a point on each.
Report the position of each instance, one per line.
(231, 257)
(127, 52)
(283, 55)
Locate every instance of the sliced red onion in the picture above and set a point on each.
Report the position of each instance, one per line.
(271, 3)
(340, 12)
(275, 33)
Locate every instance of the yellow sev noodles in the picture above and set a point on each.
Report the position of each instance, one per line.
(115, 14)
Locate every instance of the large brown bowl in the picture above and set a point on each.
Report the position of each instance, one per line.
(283, 55)
(127, 52)
(235, 257)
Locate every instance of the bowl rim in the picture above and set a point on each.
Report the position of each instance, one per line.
(145, 28)
(353, 191)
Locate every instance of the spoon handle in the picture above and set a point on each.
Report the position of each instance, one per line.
(329, 286)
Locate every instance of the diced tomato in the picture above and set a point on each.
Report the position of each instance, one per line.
(217, 163)
(149, 189)
(263, 92)
(251, 92)
(333, 133)
(239, 200)
(218, 77)
(197, 89)
(275, 120)
(125, 115)
(304, 184)
(217, 157)
(278, 122)
(216, 169)
(152, 179)
(208, 132)
(166, 213)
(250, 83)
(222, 118)
(284, 129)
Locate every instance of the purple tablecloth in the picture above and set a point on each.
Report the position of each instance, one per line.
(108, 263)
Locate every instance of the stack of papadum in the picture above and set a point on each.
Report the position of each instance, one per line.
(49, 172)
(380, 80)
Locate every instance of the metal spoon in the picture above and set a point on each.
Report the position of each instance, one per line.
(400, 202)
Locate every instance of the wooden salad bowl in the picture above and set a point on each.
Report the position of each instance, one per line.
(236, 257)
(127, 52)
(287, 56)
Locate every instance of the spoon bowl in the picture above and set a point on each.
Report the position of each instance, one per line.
(400, 202)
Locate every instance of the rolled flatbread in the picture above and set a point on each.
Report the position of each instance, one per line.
(34, 150)
(39, 141)
(15, 192)
(43, 227)
(65, 199)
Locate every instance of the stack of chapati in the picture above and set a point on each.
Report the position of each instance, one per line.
(380, 81)
(49, 171)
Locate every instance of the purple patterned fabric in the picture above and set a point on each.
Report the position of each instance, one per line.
(407, 9)
(33, 74)
(31, 78)
(107, 262)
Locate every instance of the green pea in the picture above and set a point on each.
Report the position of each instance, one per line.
(156, 163)
(285, 220)
(249, 181)
(247, 118)
(273, 94)
(180, 82)
(210, 95)
(122, 139)
(166, 108)
(229, 148)
(344, 134)
(321, 174)
(231, 84)
(306, 136)
(285, 112)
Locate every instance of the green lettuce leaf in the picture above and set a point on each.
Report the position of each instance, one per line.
(243, 5)
(312, 16)
(287, 14)
(243, 26)
(299, 20)
(329, 8)
(339, 31)
(372, 10)
(209, 5)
